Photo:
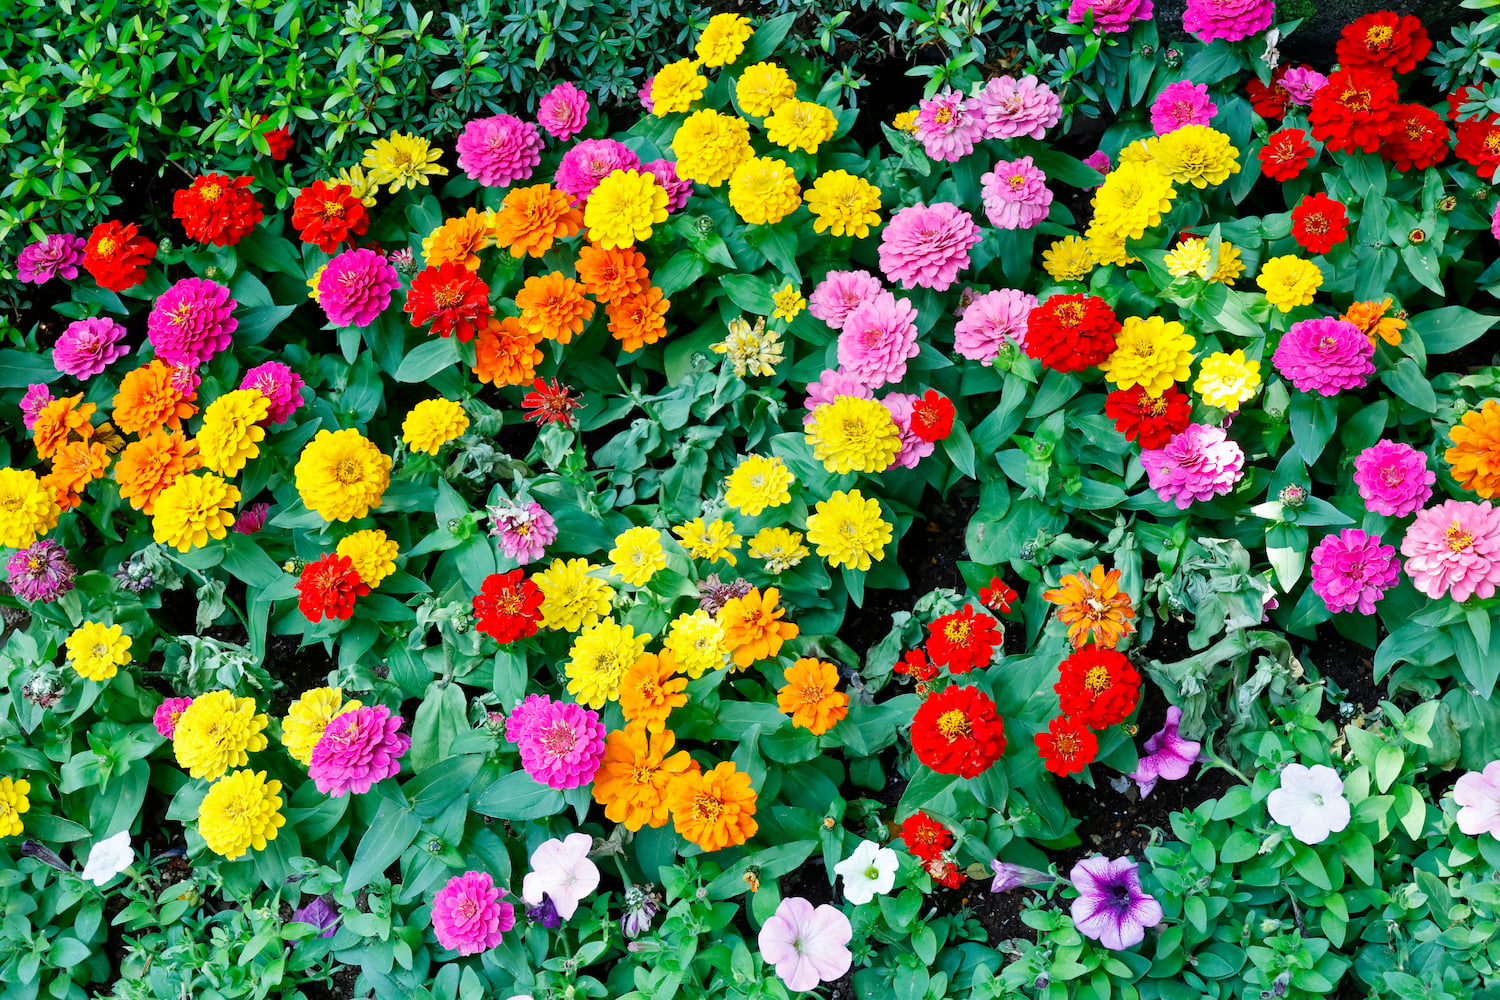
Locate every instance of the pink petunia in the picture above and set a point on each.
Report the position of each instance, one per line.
(806, 945)
(562, 872)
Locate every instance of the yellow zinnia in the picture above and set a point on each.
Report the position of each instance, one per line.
(697, 642)
(372, 553)
(342, 475)
(231, 433)
(638, 555)
(709, 145)
(571, 598)
(402, 161)
(598, 659)
(843, 204)
(1289, 281)
(763, 190)
(432, 423)
(13, 802)
(623, 208)
(1196, 155)
(192, 510)
(851, 434)
(779, 548)
(711, 540)
(1227, 380)
(724, 39)
(1068, 259)
(762, 88)
(308, 716)
(849, 530)
(216, 732)
(239, 812)
(98, 651)
(757, 483)
(801, 125)
(1132, 199)
(676, 86)
(28, 509)
(1152, 353)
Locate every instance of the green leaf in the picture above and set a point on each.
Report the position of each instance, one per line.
(1388, 763)
(52, 829)
(518, 796)
(427, 359)
(389, 834)
(1407, 382)
(440, 718)
(18, 369)
(1313, 419)
(1449, 328)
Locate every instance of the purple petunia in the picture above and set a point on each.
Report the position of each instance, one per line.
(1111, 907)
(1168, 755)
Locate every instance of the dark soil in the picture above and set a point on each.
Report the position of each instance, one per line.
(298, 668)
(1349, 670)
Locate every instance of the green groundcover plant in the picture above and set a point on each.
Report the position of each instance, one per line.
(454, 577)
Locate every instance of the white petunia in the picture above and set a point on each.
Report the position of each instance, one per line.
(869, 872)
(1310, 801)
(562, 870)
(108, 858)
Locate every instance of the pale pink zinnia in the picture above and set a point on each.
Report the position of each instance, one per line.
(1393, 478)
(832, 384)
(499, 150)
(1231, 20)
(913, 447)
(1179, 104)
(358, 749)
(523, 530)
(589, 162)
(166, 715)
(191, 322)
(1110, 15)
(806, 945)
(1325, 355)
(878, 338)
(55, 255)
(468, 914)
(679, 189)
(561, 743)
(564, 111)
(356, 287)
(1198, 463)
(948, 125)
(1011, 108)
(840, 293)
(1016, 195)
(279, 384)
(993, 319)
(88, 346)
(1454, 548)
(927, 245)
(1353, 570)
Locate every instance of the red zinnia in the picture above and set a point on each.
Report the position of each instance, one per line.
(550, 403)
(1418, 139)
(1319, 223)
(916, 664)
(1460, 97)
(328, 214)
(924, 836)
(956, 731)
(1270, 100)
(932, 416)
(1285, 153)
(1067, 333)
(328, 587)
(1066, 746)
(944, 872)
(280, 142)
(217, 209)
(997, 596)
(117, 256)
(1355, 110)
(964, 640)
(452, 298)
(1394, 41)
(507, 607)
(1099, 687)
(1479, 144)
(1149, 420)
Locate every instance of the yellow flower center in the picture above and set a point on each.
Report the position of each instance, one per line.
(448, 296)
(107, 246)
(1356, 100)
(100, 649)
(1066, 745)
(1379, 36)
(333, 210)
(943, 116)
(953, 724)
(810, 695)
(958, 632)
(1097, 679)
(1017, 181)
(1070, 313)
(707, 808)
(210, 192)
(347, 471)
(1457, 538)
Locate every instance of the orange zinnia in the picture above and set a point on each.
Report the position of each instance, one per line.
(651, 689)
(554, 306)
(506, 353)
(632, 780)
(1372, 321)
(638, 320)
(150, 398)
(1475, 455)
(752, 626)
(611, 275)
(153, 463)
(77, 464)
(458, 241)
(1094, 605)
(713, 809)
(59, 421)
(811, 696)
(532, 218)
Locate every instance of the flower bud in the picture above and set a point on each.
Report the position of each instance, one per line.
(1293, 497)
(1417, 237)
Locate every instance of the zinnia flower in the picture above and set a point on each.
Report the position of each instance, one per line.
(193, 509)
(713, 809)
(40, 572)
(532, 219)
(342, 475)
(573, 598)
(1319, 223)
(468, 914)
(524, 530)
(753, 629)
(806, 945)
(1475, 455)
(843, 205)
(117, 256)
(280, 385)
(633, 777)
(358, 749)
(757, 483)
(1196, 155)
(508, 607)
(924, 837)
(762, 87)
(97, 651)
(1285, 154)
(1110, 15)
(1132, 199)
(150, 465)
(811, 695)
(1093, 607)
(1016, 195)
(763, 190)
(240, 812)
(307, 718)
(407, 161)
(623, 207)
(1152, 353)
(1397, 42)
(1227, 380)
(166, 715)
(1454, 548)
(216, 732)
(1355, 110)
(231, 430)
(878, 339)
(676, 86)
(1011, 108)
(956, 731)
(88, 346)
(328, 587)
(554, 306)
(598, 659)
(1324, 355)
(450, 297)
(217, 209)
(804, 125)
(849, 530)
(1068, 333)
(651, 689)
(964, 639)
(1353, 570)
(927, 246)
(588, 163)
(1199, 463)
(1231, 20)
(679, 189)
(1289, 281)
(54, 255)
(1066, 747)
(1111, 907)
(191, 322)
(326, 214)
(948, 125)
(638, 555)
(709, 145)
(356, 287)
(1181, 103)
(1393, 478)
(432, 423)
(563, 111)
(993, 319)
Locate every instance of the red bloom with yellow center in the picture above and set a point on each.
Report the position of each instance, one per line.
(328, 587)
(1067, 746)
(327, 214)
(1396, 42)
(916, 665)
(1093, 608)
(1479, 144)
(956, 731)
(924, 836)
(964, 640)
(1148, 420)
(452, 298)
(1319, 223)
(548, 404)
(1285, 154)
(1355, 110)
(508, 607)
(1418, 138)
(997, 596)
(1098, 687)
(1068, 333)
(116, 255)
(217, 209)
(932, 416)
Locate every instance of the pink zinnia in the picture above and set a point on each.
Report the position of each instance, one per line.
(468, 915)
(1016, 195)
(1454, 548)
(1098, 160)
(878, 339)
(679, 189)
(1353, 570)
(1011, 108)
(166, 715)
(191, 322)
(948, 125)
(279, 384)
(1325, 355)
(830, 385)
(1111, 15)
(1181, 103)
(356, 287)
(499, 150)
(840, 293)
(36, 397)
(645, 95)
(251, 519)
(561, 743)
(1393, 478)
(806, 945)
(1231, 20)
(524, 530)
(1495, 222)
(991, 320)
(564, 111)
(358, 749)
(913, 448)
(57, 254)
(927, 245)
(41, 572)
(1199, 463)
(88, 346)
(589, 162)
(1302, 84)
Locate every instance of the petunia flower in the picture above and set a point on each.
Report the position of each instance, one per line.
(1310, 801)
(1111, 907)
(1478, 793)
(806, 945)
(1168, 755)
(108, 858)
(869, 872)
(561, 870)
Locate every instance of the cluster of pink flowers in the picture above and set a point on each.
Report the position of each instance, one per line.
(1393, 478)
(878, 339)
(499, 150)
(561, 743)
(950, 124)
(994, 318)
(356, 286)
(927, 245)
(54, 255)
(1325, 355)
(840, 293)
(191, 322)
(1016, 195)
(1454, 548)
(88, 346)
(523, 530)
(1179, 104)
(280, 385)
(1353, 570)
(356, 750)
(1200, 463)
(1231, 20)
(589, 162)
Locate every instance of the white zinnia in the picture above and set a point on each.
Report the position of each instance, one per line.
(108, 858)
(1310, 801)
(869, 872)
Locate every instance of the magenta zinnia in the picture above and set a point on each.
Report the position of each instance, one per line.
(191, 322)
(561, 744)
(358, 749)
(468, 914)
(1352, 570)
